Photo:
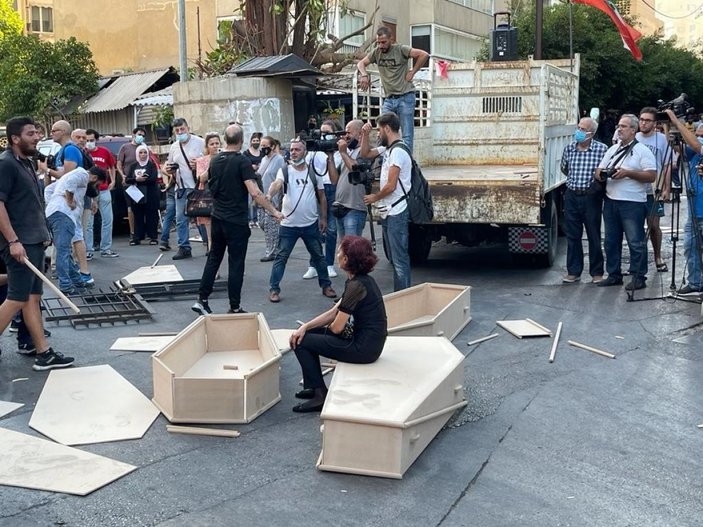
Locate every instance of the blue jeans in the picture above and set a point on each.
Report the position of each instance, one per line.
(63, 229)
(625, 217)
(404, 107)
(183, 221)
(169, 217)
(330, 236)
(287, 238)
(395, 233)
(351, 224)
(692, 251)
(105, 206)
(583, 211)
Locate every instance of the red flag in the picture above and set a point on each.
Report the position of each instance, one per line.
(442, 69)
(629, 34)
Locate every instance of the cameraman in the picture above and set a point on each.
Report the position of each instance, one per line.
(348, 205)
(392, 206)
(693, 153)
(627, 167)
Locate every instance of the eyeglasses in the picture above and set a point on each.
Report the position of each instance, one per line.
(646, 120)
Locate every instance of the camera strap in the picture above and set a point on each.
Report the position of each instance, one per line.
(309, 175)
(623, 151)
(185, 156)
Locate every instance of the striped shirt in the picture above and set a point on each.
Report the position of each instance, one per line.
(580, 165)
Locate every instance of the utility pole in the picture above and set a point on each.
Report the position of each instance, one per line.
(539, 11)
(182, 48)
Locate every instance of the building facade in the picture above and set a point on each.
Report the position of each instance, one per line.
(683, 19)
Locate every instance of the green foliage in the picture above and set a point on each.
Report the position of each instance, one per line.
(10, 21)
(38, 78)
(610, 76)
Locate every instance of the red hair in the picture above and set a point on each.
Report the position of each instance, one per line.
(359, 252)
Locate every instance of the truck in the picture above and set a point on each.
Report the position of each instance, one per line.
(492, 155)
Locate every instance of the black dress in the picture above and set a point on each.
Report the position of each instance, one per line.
(146, 212)
(362, 299)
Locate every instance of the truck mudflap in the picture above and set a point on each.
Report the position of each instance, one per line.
(528, 240)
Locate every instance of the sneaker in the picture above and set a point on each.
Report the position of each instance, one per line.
(611, 280)
(70, 292)
(636, 283)
(89, 256)
(310, 273)
(687, 290)
(14, 326)
(182, 254)
(201, 307)
(234, 311)
(570, 279)
(51, 359)
(108, 254)
(164, 247)
(87, 279)
(29, 350)
(331, 272)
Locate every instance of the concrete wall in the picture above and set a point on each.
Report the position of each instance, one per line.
(260, 104)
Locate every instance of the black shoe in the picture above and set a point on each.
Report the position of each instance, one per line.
(307, 393)
(201, 307)
(164, 247)
(315, 404)
(611, 280)
(28, 350)
(636, 283)
(233, 311)
(687, 290)
(182, 254)
(51, 359)
(14, 326)
(269, 258)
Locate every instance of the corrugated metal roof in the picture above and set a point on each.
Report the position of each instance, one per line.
(157, 98)
(122, 92)
(289, 65)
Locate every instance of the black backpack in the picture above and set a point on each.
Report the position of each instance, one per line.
(419, 198)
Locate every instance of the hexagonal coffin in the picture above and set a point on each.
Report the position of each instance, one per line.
(378, 418)
(429, 310)
(220, 369)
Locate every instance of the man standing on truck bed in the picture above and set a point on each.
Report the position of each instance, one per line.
(583, 205)
(392, 61)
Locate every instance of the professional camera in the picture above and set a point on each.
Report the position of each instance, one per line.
(319, 142)
(680, 106)
(172, 167)
(607, 173)
(50, 160)
(362, 174)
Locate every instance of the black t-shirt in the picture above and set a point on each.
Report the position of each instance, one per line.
(227, 173)
(255, 160)
(19, 190)
(362, 299)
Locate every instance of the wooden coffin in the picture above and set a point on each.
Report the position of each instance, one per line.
(219, 369)
(378, 418)
(429, 310)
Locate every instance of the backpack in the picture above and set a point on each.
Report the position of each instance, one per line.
(88, 162)
(419, 198)
(313, 179)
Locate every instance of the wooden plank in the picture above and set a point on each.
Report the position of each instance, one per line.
(483, 339)
(282, 338)
(151, 275)
(51, 286)
(152, 344)
(34, 463)
(524, 328)
(556, 342)
(592, 350)
(198, 430)
(7, 407)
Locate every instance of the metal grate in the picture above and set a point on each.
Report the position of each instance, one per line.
(98, 308)
(167, 290)
(502, 104)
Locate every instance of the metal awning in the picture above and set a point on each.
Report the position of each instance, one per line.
(290, 65)
(157, 98)
(122, 92)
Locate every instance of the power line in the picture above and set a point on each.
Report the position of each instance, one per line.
(673, 17)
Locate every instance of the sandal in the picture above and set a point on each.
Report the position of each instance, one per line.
(662, 268)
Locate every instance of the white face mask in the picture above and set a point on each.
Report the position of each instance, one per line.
(90, 145)
(298, 162)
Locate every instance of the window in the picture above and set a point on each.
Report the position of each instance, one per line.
(42, 19)
(349, 23)
(454, 45)
(485, 6)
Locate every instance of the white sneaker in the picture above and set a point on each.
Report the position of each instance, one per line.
(331, 271)
(310, 273)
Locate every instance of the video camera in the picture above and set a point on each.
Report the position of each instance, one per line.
(680, 106)
(319, 142)
(50, 160)
(362, 174)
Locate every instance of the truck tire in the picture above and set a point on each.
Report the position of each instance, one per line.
(419, 243)
(551, 222)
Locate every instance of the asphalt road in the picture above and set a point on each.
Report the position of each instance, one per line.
(583, 441)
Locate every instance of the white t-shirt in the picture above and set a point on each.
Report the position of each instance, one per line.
(319, 163)
(76, 182)
(659, 146)
(194, 148)
(399, 158)
(639, 158)
(300, 192)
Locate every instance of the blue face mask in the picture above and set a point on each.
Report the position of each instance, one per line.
(139, 139)
(182, 138)
(580, 136)
(700, 140)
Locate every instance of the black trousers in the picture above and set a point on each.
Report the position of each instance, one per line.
(234, 238)
(319, 342)
(146, 216)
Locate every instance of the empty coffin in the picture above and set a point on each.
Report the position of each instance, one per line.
(429, 310)
(378, 418)
(220, 369)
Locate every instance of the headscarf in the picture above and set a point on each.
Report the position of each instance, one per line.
(145, 149)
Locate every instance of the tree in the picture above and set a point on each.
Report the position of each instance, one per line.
(10, 21)
(38, 78)
(279, 27)
(610, 77)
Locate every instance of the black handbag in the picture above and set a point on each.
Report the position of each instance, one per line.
(199, 203)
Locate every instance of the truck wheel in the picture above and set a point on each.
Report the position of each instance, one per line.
(419, 243)
(552, 224)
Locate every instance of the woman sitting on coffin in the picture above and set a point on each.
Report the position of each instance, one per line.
(354, 330)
